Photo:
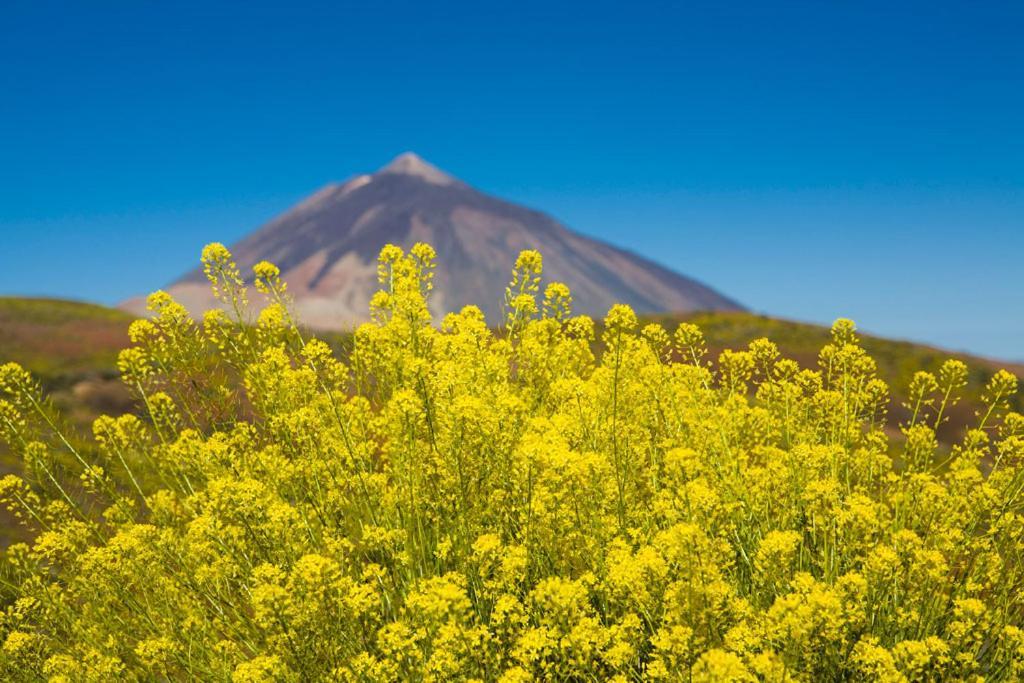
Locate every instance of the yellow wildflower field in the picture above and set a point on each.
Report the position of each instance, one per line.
(453, 503)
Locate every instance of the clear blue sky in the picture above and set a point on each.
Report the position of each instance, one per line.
(811, 159)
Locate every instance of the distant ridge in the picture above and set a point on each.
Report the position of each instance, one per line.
(327, 245)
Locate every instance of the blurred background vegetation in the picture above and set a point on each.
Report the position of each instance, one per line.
(72, 348)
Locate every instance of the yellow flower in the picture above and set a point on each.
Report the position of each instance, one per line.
(445, 501)
(263, 669)
(719, 665)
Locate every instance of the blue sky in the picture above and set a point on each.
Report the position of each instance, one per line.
(812, 160)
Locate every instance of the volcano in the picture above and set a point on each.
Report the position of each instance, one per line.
(326, 247)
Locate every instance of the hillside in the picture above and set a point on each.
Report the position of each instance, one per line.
(327, 246)
(897, 360)
(56, 338)
(72, 347)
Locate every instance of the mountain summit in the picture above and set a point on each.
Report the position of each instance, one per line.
(411, 164)
(327, 245)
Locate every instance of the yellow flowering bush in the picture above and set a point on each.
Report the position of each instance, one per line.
(561, 499)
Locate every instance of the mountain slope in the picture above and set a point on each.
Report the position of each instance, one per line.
(327, 246)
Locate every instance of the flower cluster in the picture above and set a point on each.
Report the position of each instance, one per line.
(561, 499)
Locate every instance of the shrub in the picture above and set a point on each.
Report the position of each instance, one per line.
(454, 503)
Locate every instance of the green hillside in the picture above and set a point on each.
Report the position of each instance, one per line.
(72, 348)
(60, 339)
(897, 360)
